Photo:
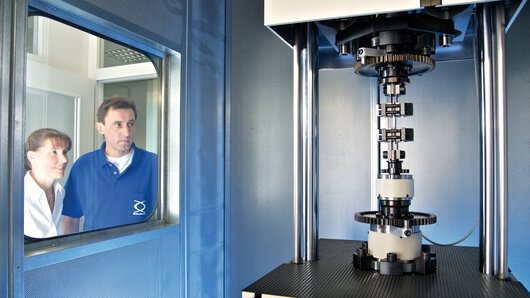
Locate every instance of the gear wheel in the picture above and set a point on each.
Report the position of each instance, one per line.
(417, 64)
(375, 218)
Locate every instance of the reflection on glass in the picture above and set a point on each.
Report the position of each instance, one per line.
(50, 109)
(145, 94)
(45, 152)
(32, 37)
(116, 184)
(65, 87)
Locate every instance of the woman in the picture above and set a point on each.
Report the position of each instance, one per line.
(45, 162)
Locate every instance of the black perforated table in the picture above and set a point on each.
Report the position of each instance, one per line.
(333, 275)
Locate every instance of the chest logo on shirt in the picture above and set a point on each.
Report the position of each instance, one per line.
(139, 207)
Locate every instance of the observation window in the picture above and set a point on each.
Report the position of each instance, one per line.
(69, 75)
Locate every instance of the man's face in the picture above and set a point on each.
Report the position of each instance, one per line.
(118, 129)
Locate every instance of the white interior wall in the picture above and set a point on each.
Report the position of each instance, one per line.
(62, 67)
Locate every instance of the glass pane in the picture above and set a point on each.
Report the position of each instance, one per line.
(52, 110)
(112, 177)
(145, 94)
(32, 36)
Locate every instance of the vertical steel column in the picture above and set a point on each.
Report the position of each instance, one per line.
(494, 141)
(375, 156)
(500, 138)
(305, 143)
(486, 137)
(13, 21)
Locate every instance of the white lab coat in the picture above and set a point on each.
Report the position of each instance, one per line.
(39, 221)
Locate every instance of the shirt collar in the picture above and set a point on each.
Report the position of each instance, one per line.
(102, 160)
(31, 187)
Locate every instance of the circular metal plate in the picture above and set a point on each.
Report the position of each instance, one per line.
(418, 64)
(416, 219)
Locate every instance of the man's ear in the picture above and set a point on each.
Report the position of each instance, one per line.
(99, 128)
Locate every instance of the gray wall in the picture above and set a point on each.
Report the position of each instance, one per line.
(445, 124)
(518, 92)
(444, 158)
(344, 141)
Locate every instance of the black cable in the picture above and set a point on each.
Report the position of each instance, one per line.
(456, 242)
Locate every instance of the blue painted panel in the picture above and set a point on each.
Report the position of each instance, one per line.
(145, 269)
(161, 21)
(203, 201)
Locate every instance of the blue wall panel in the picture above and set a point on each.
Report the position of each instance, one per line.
(161, 21)
(146, 269)
(203, 202)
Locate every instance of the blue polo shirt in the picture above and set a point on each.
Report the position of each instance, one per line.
(96, 189)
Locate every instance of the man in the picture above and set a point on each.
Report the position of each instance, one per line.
(117, 184)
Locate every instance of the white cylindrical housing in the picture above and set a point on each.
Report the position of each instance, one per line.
(395, 188)
(406, 249)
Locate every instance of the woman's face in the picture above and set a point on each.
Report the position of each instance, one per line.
(50, 160)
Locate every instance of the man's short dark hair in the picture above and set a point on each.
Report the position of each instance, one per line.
(115, 103)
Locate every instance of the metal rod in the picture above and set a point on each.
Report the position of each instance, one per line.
(312, 136)
(16, 147)
(487, 163)
(501, 140)
(375, 157)
(305, 143)
(298, 66)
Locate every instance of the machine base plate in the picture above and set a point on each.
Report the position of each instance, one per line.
(333, 275)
